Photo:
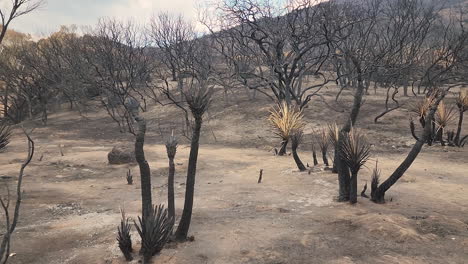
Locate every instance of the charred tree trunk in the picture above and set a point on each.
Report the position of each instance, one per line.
(171, 148)
(314, 156)
(353, 188)
(282, 150)
(459, 128)
(184, 224)
(298, 161)
(145, 172)
(378, 195)
(324, 158)
(334, 168)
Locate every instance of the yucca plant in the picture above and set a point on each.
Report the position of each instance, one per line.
(123, 236)
(421, 109)
(154, 231)
(462, 104)
(375, 179)
(129, 177)
(444, 116)
(355, 152)
(5, 134)
(323, 142)
(296, 137)
(171, 149)
(285, 119)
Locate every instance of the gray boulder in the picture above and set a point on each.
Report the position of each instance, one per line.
(121, 155)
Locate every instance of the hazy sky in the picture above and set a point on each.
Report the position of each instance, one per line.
(86, 12)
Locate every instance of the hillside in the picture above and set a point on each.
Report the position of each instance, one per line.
(291, 217)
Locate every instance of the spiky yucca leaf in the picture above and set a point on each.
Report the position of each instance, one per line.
(5, 134)
(444, 115)
(123, 236)
(462, 100)
(333, 133)
(286, 119)
(355, 150)
(422, 106)
(171, 145)
(323, 139)
(154, 231)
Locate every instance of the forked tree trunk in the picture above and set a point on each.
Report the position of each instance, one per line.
(343, 170)
(378, 195)
(145, 172)
(298, 161)
(282, 150)
(459, 128)
(184, 224)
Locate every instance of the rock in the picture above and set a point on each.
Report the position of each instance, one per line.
(121, 155)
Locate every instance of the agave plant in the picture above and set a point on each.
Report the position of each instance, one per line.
(123, 236)
(355, 152)
(5, 134)
(286, 119)
(296, 138)
(154, 231)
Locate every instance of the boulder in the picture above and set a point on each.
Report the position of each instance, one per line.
(121, 155)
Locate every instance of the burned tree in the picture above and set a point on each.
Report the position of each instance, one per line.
(374, 36)
(287, 44)
(14, 10)
(378, 191)
(171, 149)
(119, 67)
(198, 99)
(296, 138)
(11, 220)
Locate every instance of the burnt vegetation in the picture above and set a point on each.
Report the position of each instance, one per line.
(287, 53)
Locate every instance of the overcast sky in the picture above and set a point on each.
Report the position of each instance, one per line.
(87, 12)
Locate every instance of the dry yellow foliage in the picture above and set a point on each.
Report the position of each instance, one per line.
(286, 120)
